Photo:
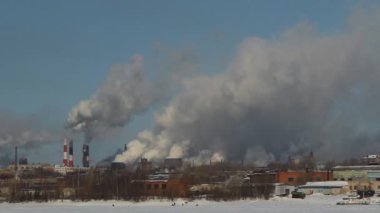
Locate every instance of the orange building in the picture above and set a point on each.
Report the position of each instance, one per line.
(301, 177)
(155, 187)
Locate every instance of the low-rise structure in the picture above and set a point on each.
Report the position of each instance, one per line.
(326, 187)
(64, 170)
(371, 159)
(297, 178)
(359, 177)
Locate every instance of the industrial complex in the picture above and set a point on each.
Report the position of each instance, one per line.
(175, 177)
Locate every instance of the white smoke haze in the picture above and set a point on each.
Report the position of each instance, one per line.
(278, 97)
(125, 92)
(175, 64)
(25, 137)
(22, 131)
(258, 156)
(178, 150)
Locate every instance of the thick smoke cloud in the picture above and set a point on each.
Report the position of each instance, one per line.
(300, 92)
(25, 132)
(125, 92)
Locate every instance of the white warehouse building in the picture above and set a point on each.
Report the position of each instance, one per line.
(326, 188)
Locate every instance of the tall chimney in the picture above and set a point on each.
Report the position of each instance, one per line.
(65, 152)
(71, 153)
(86, 155)
(16, 158)
(125, 147)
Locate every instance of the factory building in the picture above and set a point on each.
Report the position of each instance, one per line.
(268, 183)
(296, 178)
(359, 177)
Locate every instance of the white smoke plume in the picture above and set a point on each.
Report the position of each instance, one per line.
(300, 92)
(21, 131)
(125, 92)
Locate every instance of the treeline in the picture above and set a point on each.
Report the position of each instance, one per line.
(224, 181)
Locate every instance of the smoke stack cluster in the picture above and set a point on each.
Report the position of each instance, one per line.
(71, 153)
(86, 155)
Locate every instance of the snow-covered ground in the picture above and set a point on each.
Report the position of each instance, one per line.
(311, 204)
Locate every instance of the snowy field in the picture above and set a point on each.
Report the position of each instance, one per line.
(311, 204)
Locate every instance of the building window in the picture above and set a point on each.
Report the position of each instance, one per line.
(290, 179)
(342, 179)
(319, 178)
(349, 179)
(156, 186)
(377, 179)
(164, 186)
(378, 187)
(355, 187)
(335, 178)
(149, 187)
(350, 187)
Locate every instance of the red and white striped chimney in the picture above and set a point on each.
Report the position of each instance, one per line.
(65, 152)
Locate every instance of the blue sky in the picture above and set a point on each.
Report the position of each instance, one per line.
(56, 53)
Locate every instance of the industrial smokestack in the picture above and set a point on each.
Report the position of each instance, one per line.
(65, 152)
(71, 153)
(125, 147)
(86, 155)
(16, 158)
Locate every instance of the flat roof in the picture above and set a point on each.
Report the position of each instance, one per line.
(325, 184)
(359, 167)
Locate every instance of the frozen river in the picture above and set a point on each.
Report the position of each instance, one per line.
(311, 204)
